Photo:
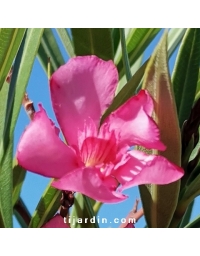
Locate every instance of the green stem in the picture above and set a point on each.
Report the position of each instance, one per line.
(90, 210)
(49, 69)
(96, 207)
(125, 55)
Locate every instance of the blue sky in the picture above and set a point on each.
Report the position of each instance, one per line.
(34, 184)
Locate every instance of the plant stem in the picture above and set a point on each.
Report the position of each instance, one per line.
(96, 207)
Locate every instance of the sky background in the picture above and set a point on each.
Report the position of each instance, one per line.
(34, 185)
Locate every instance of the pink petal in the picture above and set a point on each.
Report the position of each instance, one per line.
(133, 123)
(130, 225)
(89, 182)
(145, 100)
(90, 130)
(141, 168)
(82, 88)
(41, 151)
(56, 222)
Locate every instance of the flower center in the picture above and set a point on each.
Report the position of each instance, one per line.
(96, 151)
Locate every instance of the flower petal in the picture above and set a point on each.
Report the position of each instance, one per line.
(88, 181)
(41, 151)
(56, 222)
(82, 88)
(133, 123)
(141, 168)
(130, 225)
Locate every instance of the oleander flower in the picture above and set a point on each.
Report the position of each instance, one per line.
(96, 160)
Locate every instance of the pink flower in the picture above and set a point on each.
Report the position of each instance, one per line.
(97, 159)
(56, 222)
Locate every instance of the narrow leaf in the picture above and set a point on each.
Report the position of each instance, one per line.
(49, 49)
(125, 55)
(10, 39)
(137, 41)
(197, 95)
(80, 210)
(195, 223)
(157, 81)
(47, 207)
(115, 39)
(3, 101)
(192, 188)
(18, 177)
(6, 150)
(188, 193)
(187, 216)
(135, 67)
(21, 213)
(185, 74)
(174, 38)
(93, 41)
(66, 40)
(21, 72)
(32, 42)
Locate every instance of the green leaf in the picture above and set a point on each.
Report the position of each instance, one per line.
(192, 188)
(21, 213)
(160, 202)
(185, 73)
(10, 39)
(49, 49)
(25, 65)
(136, 66)
(197, 95)
(43, 58)
(125, 55)
(137, 41)
(174, 38)
(80, 210)
(93, 41)
(115, 39)
(6, 186)
(21, 72)
(129, 89)
(3, 101)
(196, 149)
(47, 207)
(187, 215)
(195, 223)
(188, 193)
(66, 40)
(18, 177)
(6, 148)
